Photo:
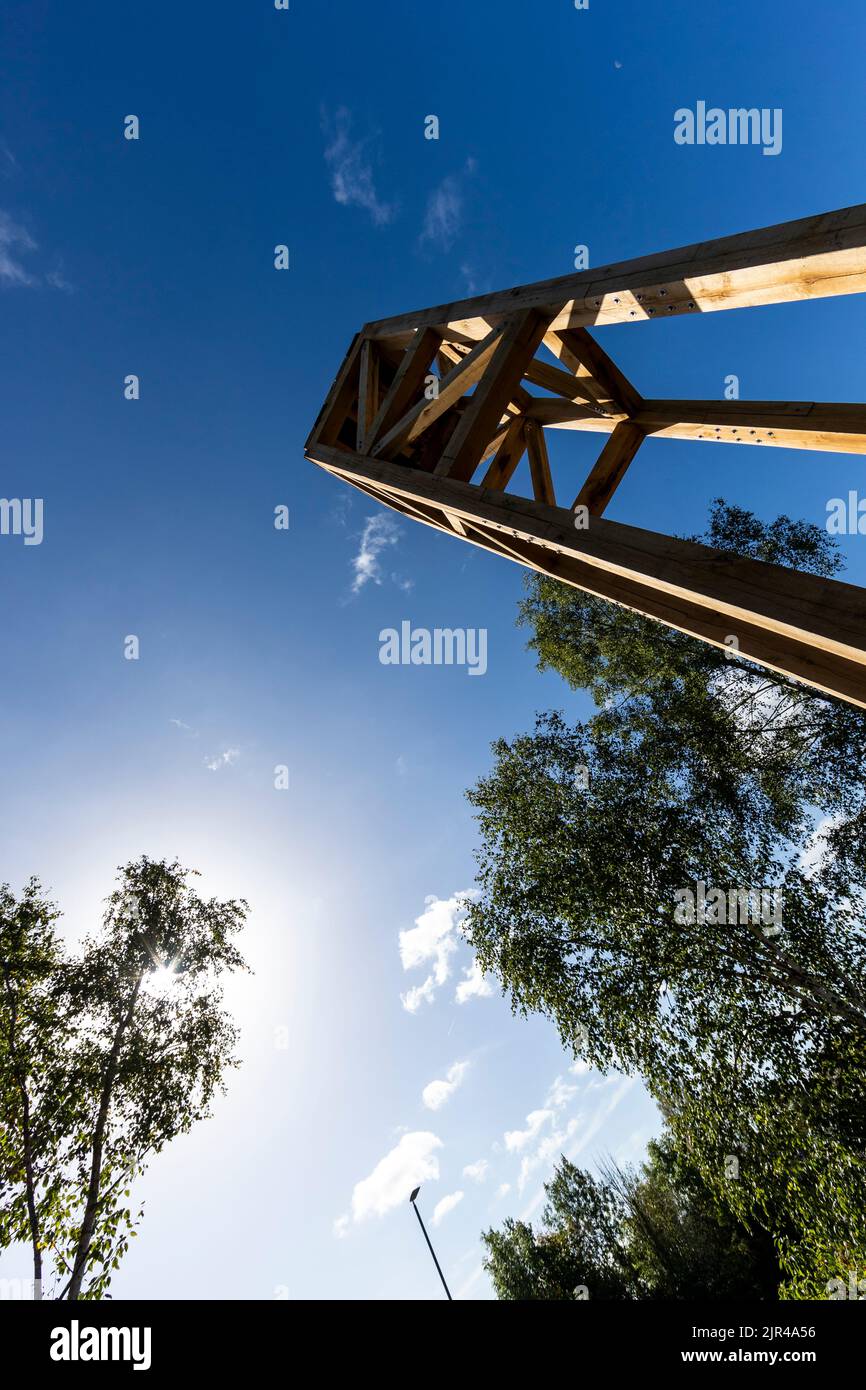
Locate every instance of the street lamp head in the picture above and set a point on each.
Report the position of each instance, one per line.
(415, 1194)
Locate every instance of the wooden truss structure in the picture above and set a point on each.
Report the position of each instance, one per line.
(431, 413)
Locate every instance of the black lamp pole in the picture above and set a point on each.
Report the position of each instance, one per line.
(429, 1246)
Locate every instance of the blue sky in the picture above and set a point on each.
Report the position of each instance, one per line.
(259, 647)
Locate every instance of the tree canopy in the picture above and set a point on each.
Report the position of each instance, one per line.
(699, 775)
(658, 1233)
(106, 1054)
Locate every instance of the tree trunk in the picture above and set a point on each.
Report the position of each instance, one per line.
(27, 1141)
(31, 1194)
(88, 1225)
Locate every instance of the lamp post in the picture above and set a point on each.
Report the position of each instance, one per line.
(427, 1238)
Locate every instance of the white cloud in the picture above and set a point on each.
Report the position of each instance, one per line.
(14, 240)
(224, 759)
(535, 1150)
(503, 1189)
(57, 280)
(606, 1107)
(432, 940)
(583, 1130)
(444, 215)
(379, 532)
(467, 1286)
(446, 1204)
(517, 1139)
(469, 279)
(632, 1149)
(341, 1227)
(474, 986)
(412, 1161)
(813, 853)
(418, 995)
(443, 218)
(186, 728)
(580, 1068)
(549, 1149)
(351, 169)
(477, 1171)
(436, 1093)
(560, 1093)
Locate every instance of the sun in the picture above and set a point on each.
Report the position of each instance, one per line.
(161, 980)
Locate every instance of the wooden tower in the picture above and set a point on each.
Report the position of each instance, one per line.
(431, 413)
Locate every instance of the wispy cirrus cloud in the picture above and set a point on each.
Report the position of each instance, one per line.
(443, 217)
(15, 242)
(351, 166)
(560, 1093)
(550, 1146)
(227, 758)
(547, 1133)
(187, 728)
(380, 532)
(517, 1139)
(575, 1136)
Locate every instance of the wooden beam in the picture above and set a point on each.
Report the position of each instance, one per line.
(609, 468)
(452, 353)
(564, 384)
(368, 392)
(581, 353)
(805, 259)
(539, 464)
(507, 456)
(828, 673)
(338, 401)
(429, 448)
(500, 382)
(571, 415)
(460, 379)
(431, 516)
(834, 427)
(830, 428)
(498, 440)
(444, 362)
(806, 627)
(521, 399)
(407, 384)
